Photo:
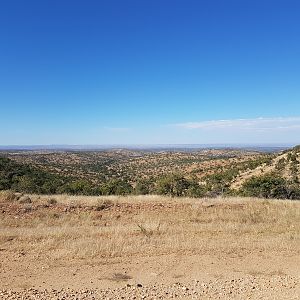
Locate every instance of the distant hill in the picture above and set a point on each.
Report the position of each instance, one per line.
(204, 172)
(285, 164)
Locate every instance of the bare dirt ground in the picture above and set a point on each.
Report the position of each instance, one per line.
(62, 247)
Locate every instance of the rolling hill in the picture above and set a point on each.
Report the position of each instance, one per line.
(206, 172)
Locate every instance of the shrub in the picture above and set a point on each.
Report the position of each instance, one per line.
(219, 183)
(78, 187)
(116, 187)
(280, 164)
(24, 178)
(195, 190)
(143, 187)
(176, 185)
(172, 185)
(266, 186)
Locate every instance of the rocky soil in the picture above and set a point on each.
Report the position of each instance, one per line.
(243, 288)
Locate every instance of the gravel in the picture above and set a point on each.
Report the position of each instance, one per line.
(274, 287)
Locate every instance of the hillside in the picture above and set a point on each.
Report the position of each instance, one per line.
(209, 172)
(130, 164)
(286, 164)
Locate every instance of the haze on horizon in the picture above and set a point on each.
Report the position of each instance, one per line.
(149, 72)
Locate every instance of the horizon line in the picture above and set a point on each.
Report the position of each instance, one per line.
(45, 146)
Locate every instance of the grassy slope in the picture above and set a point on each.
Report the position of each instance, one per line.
(63, 227)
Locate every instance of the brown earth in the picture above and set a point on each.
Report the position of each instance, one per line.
(62, 247)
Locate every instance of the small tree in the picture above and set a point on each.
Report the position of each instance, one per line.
(116, 187)
(172, 185)
(143, 187)
(266, 186)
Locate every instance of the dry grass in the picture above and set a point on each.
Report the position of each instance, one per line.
(59, 227)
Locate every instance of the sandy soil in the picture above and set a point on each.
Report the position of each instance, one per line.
(189, 276)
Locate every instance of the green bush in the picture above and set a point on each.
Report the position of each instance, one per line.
(23, 178)
(280, 164)
(172, 185)
(177, 185)
(219, 183)
(143, 187)
(266, 186)
(195, 190)
(77, 187)
(116, 187)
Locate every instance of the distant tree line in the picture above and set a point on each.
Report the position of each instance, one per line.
(28, 179)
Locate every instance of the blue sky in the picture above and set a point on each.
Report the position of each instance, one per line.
(150, 71)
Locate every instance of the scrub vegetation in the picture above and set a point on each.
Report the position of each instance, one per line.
(206, 173)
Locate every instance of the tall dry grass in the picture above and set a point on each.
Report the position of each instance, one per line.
(138, 226)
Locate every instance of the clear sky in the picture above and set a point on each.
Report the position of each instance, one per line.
(149, 71)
